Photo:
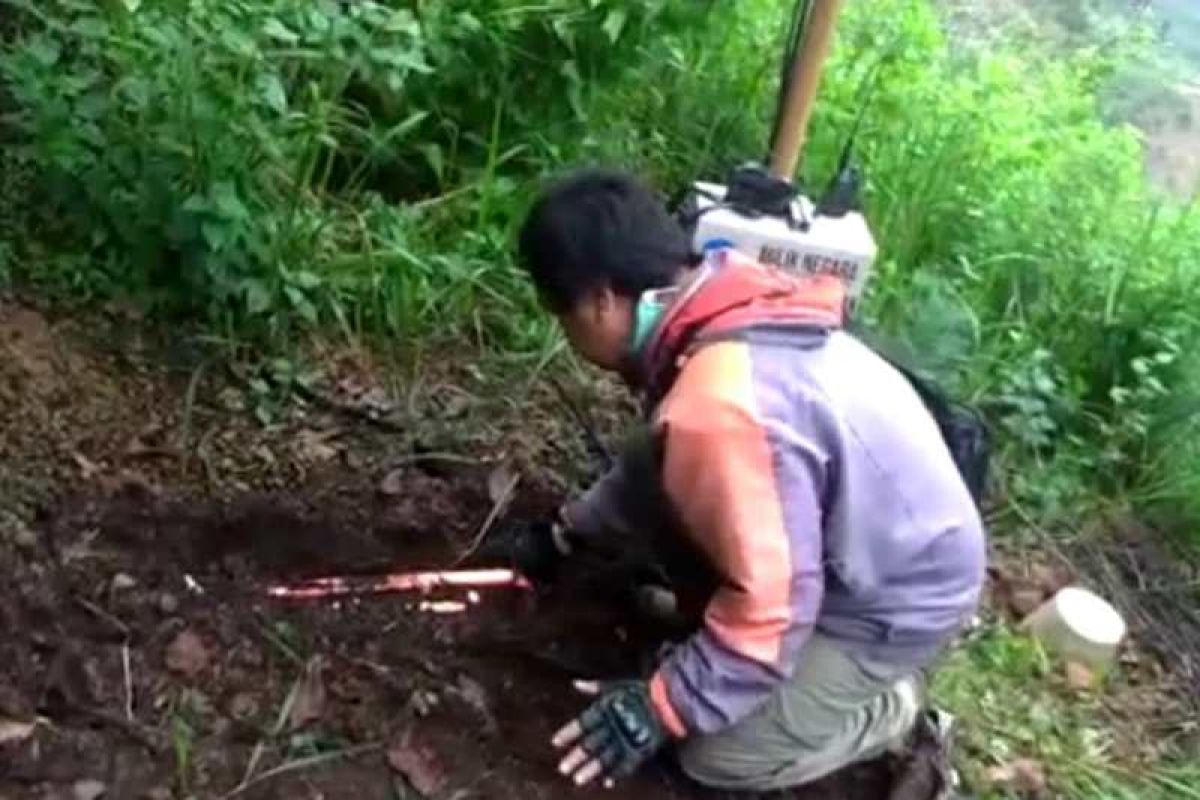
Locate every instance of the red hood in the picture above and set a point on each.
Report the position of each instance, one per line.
(733, 293)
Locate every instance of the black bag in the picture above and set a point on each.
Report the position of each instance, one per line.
(963, 428)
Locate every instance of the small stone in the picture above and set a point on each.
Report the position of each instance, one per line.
(1024, 776)
(231, 399)
(123, 581)
(187, 654)
(243, 706)
(1025, 600)
(159, 793)
(89, 790)
(24, 537)
(1080, 677)
(168, 603)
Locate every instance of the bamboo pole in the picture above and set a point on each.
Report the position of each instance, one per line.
(802, 92)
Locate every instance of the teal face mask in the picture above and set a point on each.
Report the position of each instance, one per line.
(649, 312)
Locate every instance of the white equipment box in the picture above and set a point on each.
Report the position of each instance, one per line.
(809, 244)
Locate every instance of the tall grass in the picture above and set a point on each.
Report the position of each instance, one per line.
(281, 165)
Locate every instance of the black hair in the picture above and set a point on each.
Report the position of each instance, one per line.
(600, 228)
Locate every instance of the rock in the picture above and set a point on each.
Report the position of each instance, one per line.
(419, 765)
(1047, 578)
(168, 603)
(1080, 677)
(123, 581)
(12, 731)
(187, 655)
(89, 789)
(1024, 776)
(243, 706)
(1025, 599)
(231, 399)
(24, 537)
(392, 483)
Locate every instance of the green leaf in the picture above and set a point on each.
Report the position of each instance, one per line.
(273, 93)
(402, 21)
(301, 303)
(436, 159)
(131, 5)
(564, 32)
(216, 235)
(280, 32)
(614, 23)
(44, 50)
(227, 203)
(258, 297)
(196, 204)
(90, 28)
(306, 280)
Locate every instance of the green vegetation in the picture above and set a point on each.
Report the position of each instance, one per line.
(277, 167)
(1012, 703)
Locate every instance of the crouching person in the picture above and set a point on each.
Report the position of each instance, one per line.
(795, 463)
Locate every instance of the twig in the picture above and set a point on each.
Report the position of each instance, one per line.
(498, 508)
(103, 615)
(303, 763)
(189, 406)
(128, 681)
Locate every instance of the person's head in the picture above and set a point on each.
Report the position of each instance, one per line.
(593, 242)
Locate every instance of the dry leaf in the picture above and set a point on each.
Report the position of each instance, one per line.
(419, 766)
(1024, 776)
(314, 447)
(1079, 676)
(392, 483)
(13, 731)
(309, 705)
(502, 481)
(187, 655)
(88, 469)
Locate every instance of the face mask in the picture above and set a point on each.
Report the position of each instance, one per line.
(649, 312)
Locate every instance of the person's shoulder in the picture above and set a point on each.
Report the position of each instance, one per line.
(715, 382)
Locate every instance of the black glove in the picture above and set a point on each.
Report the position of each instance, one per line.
(616, 734)
(535, 548)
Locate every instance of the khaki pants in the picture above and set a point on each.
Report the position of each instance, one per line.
(837, 709)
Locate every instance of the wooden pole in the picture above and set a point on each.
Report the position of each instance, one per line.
(802, 92)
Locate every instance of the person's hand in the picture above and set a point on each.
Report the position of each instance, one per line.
(532, 547)
(612, 738)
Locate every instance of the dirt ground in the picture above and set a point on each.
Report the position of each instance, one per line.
(148, 500)
(146, 511)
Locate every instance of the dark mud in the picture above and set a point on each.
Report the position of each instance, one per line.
(478, 694)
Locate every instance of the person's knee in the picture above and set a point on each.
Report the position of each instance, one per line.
(709, 766)
(732, 764)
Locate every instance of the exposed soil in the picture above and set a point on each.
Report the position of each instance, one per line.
(144, 515)
(148, 499)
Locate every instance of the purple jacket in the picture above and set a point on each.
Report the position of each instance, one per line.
(814, 481)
